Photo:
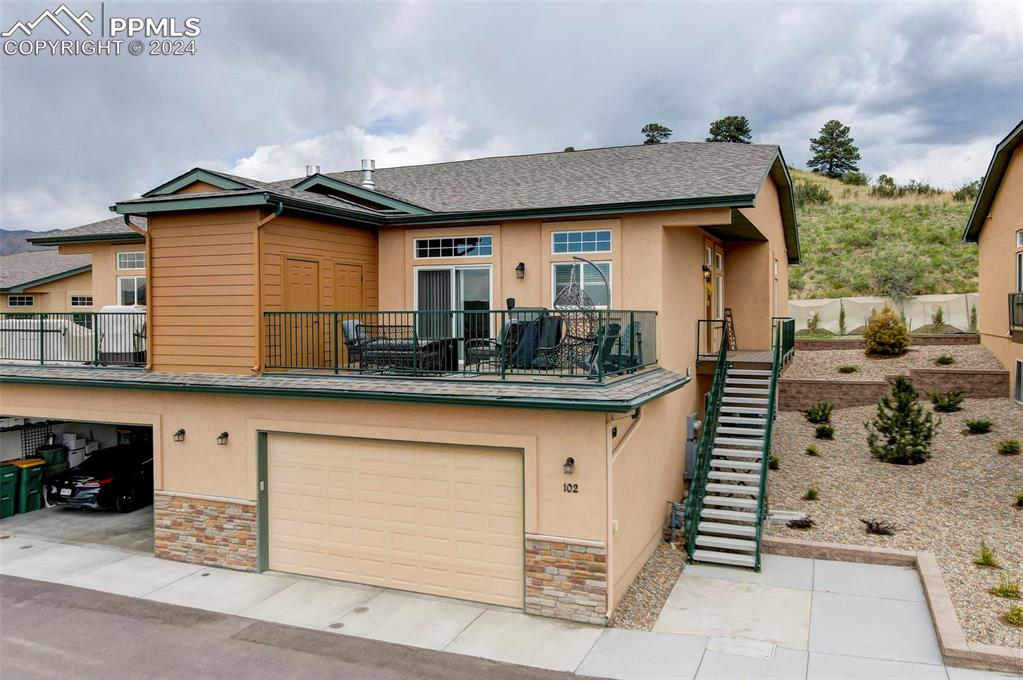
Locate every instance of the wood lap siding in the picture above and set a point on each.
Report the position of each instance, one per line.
(202, 291)
(324, 242)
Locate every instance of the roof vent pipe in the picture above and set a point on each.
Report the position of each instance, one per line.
(368, 166)
(311, 170)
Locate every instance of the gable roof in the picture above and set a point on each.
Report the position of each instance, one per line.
(112, 229)
(24, 270)
(992, 180)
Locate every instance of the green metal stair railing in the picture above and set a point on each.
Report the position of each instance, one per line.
(701, 467)
(783, 342)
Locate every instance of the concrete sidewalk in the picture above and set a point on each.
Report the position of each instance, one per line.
(799, 618)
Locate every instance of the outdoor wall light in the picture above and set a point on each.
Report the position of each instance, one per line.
(520, 270)
(222, 439)
(569, 466)
(706, 273)
(179, 436)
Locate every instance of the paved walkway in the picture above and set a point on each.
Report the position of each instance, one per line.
(797, 619)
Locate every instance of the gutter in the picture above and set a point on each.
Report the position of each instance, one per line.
(258, 320)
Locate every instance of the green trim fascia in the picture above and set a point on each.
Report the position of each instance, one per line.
(992, 181)
(362, 193)
(87, 238)
(779, 171)
(20, 288)
(196, 175)
(606, 406)
(262, 504)
(178, 204)
(737, 201)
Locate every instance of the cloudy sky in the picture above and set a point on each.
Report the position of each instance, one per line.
(928, 88)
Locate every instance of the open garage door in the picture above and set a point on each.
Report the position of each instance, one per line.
(437, 519)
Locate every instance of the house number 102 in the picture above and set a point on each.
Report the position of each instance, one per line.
(571, 488)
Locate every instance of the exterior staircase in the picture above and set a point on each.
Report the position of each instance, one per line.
(725, 508)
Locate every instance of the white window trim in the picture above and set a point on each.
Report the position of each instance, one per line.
(1019, 238)
(31, 300)
(582, 231)
(131, 252)
(577, 263)
(1018, 387)
(134, 277)
(71, 301)
(416, 256)
(454, 293)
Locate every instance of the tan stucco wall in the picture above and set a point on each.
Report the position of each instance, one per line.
(54, 296)
(997, 248)
(104, 267)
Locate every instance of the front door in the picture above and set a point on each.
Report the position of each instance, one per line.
(714, 292)
(453, 302)
(300, 333)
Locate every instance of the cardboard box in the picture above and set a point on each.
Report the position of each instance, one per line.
(68, 439)
(91, 447)
(75, 457)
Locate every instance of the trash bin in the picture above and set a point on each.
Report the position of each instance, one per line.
(8, 485)
(29, 496)
(53, 454)
(55, 469)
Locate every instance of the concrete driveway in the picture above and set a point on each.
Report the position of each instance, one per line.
(128, 532)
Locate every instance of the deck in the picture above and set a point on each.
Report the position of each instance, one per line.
(741, 358)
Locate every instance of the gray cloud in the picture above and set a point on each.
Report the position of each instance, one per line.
(927, 88)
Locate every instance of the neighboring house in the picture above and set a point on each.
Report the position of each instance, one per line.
(118, 258)
(45, 281)
(443, 445)
(996, 224)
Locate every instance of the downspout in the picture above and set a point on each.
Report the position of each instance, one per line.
(144, 233)
(258, 320)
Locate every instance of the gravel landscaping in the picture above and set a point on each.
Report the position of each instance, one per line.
(642, 603)
(948, 505)
(823, 364)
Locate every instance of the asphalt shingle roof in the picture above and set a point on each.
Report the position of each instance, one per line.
(21, 268)
(114, 226)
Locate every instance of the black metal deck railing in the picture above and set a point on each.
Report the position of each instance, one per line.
(74, 338)
(522, 342)
(1016, 311)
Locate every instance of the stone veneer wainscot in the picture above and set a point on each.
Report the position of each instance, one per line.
(566, 579)
(212, 531)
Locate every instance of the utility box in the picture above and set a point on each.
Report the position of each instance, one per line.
(692, 442)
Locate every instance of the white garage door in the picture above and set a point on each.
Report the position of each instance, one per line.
(438, 519)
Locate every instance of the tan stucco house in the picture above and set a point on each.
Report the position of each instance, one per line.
(996, 225)
(45, 281)
(407, 377)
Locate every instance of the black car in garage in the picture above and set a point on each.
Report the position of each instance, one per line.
(119, 478)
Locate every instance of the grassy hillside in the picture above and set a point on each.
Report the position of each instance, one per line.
(861, 245)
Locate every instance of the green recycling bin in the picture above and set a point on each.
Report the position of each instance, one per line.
(8, 486)
(30, 484)
(53, 454)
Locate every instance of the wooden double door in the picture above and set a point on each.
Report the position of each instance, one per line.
(306, 339)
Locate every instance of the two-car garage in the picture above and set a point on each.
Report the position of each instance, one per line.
(438, 519)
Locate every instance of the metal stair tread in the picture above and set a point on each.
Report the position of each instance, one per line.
(739, 408)
(734, 476)
(751, 431)
(749, 371)
(741, 420)
(726, 543)
(747, 381)
(732, 488)
(731, 399)
(737, 453)
(730, 515)
(728, 529)
(723, 501)
(734, 559)
(734, 464)
(745, 390)
(759, 443)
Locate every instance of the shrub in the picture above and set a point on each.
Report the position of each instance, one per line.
(841, 318)
(986, 558)
(774, 462)
(854, 178)
(824, 431)
(1013, 617)
(902, 431)
(948, 402)
(1019, 501)
(886, 334)
(973, 319)
(819, 412)
(881, 527)
(1006, 588)
(885, 187)
(920, 188)
(811, 494)
(967, 192)
(848, 369)
(800, 523)
(814, 322)
(938, 320)
(812, 193)
(979, 425)
(1008, 447)
(811, 450)
(945, 360)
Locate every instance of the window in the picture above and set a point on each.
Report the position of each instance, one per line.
(455, 246)
(1019, 238)
(132, 290)
(1019, 272)
(81, 301)
(21, 300)
(133, 260)
(1017, 392)
(586, 277)
(581, 241)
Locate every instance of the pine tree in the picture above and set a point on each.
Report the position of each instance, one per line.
(655, 133)
(902, 430)
(886, 333)
(834, 153)
(734, 129)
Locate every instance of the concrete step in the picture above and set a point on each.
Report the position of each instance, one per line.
(739, 408)
(723, 502)
(755, 382)
(746, 390)
(734, 559)
(737, 453)
(739, 441)
(749, 371)
(730, 515)
(741, 477)
(749, 401)
(725, 543)
(722, 529)
(717, 463)
(741, 420)
(745, 431)
(733, 488)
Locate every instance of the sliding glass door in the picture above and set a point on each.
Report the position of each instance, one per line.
(442, 291)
